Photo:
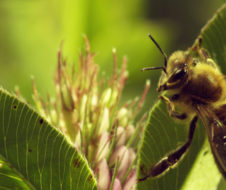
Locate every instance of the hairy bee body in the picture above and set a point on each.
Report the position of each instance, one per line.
(191, 80)
(196, 88)
(193, 87)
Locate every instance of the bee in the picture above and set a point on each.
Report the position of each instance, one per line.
(193, 87)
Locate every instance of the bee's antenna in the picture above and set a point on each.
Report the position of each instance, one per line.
(160, 49)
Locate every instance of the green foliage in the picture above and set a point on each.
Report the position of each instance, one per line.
(34, 154)
(214, 37)
(31, 32)
(9, 179)
(163, 134)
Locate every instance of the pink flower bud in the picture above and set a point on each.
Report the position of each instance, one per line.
(125, 157)
(103, 175)
(117, 184)
(129, 131)
(117, 155)
(103, 146)
(125, 163)
(120, 137)
(130, 183)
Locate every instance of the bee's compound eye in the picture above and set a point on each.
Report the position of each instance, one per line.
(175, 97)
(177, 75)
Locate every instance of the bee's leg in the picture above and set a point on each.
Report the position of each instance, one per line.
(171, 108)
(168, 162)
(201, 51)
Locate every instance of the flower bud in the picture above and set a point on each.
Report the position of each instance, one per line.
(123, 116)
(94, 101)
(117, 155)
(83, 107)
(114, 97)
(120, 137)
(130, 183)
(103, 146)
(117, 185)
(106, 96)
(66, 98)
(129, 131)
(53, 117)
(77, 142)
(125, 163)
(103, 175)
(105, 122)
(125, 157)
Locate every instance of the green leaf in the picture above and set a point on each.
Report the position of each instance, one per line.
(214, 37)
(10, 178)
(34, 154)
(204, 173)
(163, 134)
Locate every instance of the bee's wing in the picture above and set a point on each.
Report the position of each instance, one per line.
(215, 124)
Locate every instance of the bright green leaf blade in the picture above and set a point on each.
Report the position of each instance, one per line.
(162, 133)
(9, 179)
(222, 185)
(214, 37)
(38, 153)
(204, 173)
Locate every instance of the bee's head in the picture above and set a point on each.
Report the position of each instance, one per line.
(176, 74)
(175, 70)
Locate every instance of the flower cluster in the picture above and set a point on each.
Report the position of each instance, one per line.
(86, 108)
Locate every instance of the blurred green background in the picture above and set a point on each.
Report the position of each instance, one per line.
(31, 31)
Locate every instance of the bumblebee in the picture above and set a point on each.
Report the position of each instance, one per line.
(193, 87)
